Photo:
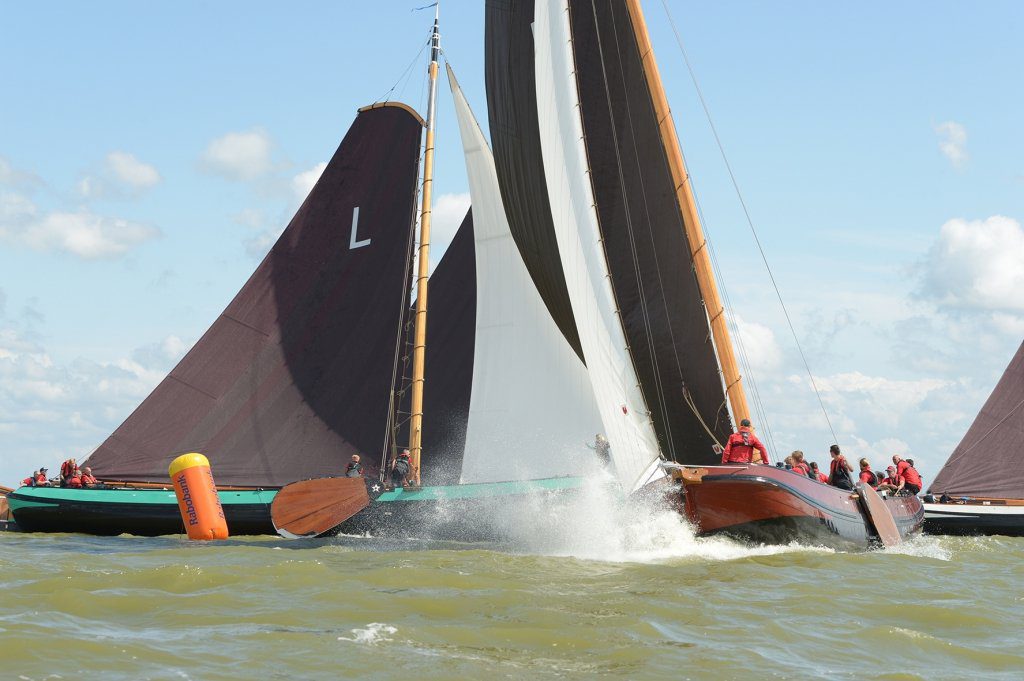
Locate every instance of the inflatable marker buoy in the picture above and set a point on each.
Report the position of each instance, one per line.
(197, 497)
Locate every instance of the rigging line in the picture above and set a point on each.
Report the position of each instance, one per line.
(688, 398)
(659, 389)
(750, 222)
(983, 437)
(405, 73)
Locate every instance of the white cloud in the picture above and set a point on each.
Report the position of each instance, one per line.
(248, 217)
(15, 208)
(303, 183)
(977, 265)
(83, 234)
(239, 155)
(13, 177)
(132, 172)
(953, 142)
(759, 345)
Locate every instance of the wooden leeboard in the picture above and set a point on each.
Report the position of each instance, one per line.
(311, 508)
(879, 514)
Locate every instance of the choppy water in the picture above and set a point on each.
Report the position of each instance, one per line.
(595, 600)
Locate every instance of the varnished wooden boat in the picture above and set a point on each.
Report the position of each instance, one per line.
(769, 505)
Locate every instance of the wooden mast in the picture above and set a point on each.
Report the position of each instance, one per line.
(691, 220)
(420, 337)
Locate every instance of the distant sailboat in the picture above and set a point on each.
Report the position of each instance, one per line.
(980, 489)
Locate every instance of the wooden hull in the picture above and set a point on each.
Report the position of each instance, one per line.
(975, 518)
(769, 505)
(145, 512)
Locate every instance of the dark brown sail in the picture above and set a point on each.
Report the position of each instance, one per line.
(515, 141)
(295, 376)
(987, 462)
(645, 243)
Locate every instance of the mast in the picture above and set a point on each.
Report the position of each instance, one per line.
(420, 337)
(691, 219)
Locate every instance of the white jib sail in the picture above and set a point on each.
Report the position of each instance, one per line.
(531, 411)
(627, 423)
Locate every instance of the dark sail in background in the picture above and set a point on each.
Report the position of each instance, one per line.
(648, 254)
(987, 462)
(448, 371)
(515, 141)
(295, 376)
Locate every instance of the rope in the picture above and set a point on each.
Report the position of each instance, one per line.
(406, 74)
(746, 213)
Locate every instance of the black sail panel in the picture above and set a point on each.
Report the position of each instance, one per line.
(295, 375)
(515, 140)
(987, 462)
(648, 255)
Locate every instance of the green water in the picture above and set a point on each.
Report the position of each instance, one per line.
(658, 607)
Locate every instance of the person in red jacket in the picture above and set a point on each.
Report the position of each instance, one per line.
(893, 482)
(75, 480)
(867, 476)
(88, 479)
(799, 465)
(912, 479)
(741, 445)
(817, 474)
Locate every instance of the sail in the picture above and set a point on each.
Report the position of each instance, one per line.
(512, 118)
(987, 462)
(448, 366)
(648, 253)
(295, 375)
(531, 407)
(627, 424)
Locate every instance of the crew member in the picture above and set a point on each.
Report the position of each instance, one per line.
(741, 446)
(602, 448)
(799, 465)
(354, 469)
(30, 481)
(817, 474)
(67, 469)
(88, 479)
(867, 476)
(75, 480)
(839, 470)
(893, 482)
(912, 479)
(400, 468)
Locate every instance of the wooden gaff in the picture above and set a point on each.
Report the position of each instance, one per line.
(691, 220)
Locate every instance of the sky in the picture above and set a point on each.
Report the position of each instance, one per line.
(150, 153)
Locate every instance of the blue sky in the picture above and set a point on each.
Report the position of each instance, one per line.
(150, 152)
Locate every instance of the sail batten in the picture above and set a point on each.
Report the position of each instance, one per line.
(531, 406)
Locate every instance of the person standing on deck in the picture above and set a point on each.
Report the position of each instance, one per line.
(840, 469)
(741, 446)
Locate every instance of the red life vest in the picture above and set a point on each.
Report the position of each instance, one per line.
(741, 445)
(822, 477)
(88, 479)
(67, 469)
(41, 479)
(911, 475)
(26, 481)
(74, 481)
(868, 477)
(802, 468)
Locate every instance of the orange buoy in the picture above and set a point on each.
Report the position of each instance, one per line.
(197, 497)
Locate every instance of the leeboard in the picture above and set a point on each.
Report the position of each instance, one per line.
(311, 508)
(881, 517)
